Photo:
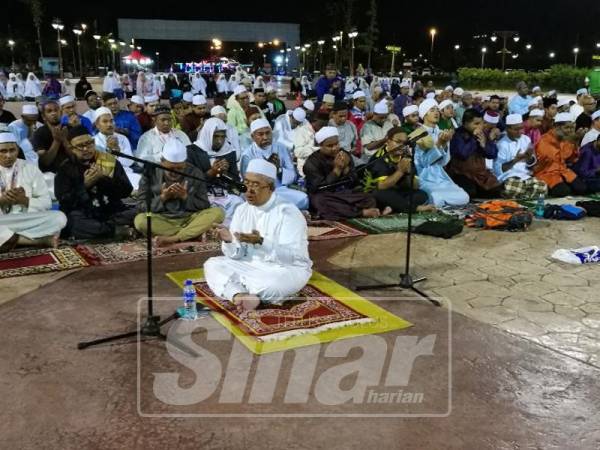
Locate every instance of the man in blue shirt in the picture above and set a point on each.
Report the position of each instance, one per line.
(125, 121)
(519, 104)
(70, 117)
(330, 83)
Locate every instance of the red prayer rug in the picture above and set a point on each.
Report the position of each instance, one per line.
(322, 230)
(120, 252)
(28, 262)
(311, 311)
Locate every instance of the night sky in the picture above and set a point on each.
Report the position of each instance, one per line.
(547, 25)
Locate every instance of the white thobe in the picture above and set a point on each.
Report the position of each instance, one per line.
(508, 151)
(36, 220)
(283, 131)
(151, 143)
(124, 147)
(304, 144)
(273, 271)
(21, 131)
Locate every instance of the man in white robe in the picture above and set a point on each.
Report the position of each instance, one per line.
(151, 143)
(283, 131)
(25, 215)
(107, 140)
(264, 148)
(266, 247)
(24, 128)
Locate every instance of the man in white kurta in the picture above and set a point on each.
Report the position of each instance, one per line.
(265, 248)
(283, 130)
(107, 140)
(25, 215)
(151, 143)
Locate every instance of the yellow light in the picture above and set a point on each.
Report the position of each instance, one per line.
(433, 32)
(275, 42)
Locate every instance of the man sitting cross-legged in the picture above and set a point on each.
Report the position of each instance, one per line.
(25, 216)
(90, 188)
(180, 207)
(266, 247)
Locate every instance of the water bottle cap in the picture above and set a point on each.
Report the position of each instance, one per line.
(188, 283)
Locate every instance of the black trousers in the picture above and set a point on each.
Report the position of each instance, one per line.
(474, 190)
(564, 189)
(397, 199)
(80, 226)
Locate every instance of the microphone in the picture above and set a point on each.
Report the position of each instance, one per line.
(239, 186)
(413, 140)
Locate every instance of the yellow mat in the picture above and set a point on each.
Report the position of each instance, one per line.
(383, 320)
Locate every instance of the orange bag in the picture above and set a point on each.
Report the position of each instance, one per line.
(500, 215)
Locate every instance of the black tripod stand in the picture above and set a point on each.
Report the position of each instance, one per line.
(151, 328)
(406, 279)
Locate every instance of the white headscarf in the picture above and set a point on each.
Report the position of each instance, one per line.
(32, 86)
(110, 83)
(205, 138)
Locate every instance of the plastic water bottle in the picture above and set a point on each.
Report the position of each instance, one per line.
(189, 301)
(540, 207)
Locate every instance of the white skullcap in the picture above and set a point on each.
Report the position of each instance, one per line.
(445, 103)
(188, 97)
(258, 124)
(487, 98)
(100, 112)
(410, 109)
(216, 110)
(405, 84)
(582, 91)
(174, 151)
(151, 98)
(239, 89)
(426, 105)
(459, 91)
(358, 94)
(66, 99)
(7, 138)
(536, 113)
(137, 99)
(299, 114)
(328, 98)
(199, 100)
(449, 88)
(514, 119)
(563, 102)
(325, 133)
(536, 88)
(430, 95)
(491, 119)
(309, 105)
(596, 115)
(29, 110)
(551, 93)
(262, 167)
(563, 117)
(381, 107)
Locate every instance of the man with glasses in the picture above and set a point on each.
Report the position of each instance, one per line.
(236, 115)
(25, 215)
(125, 121)
(265, 249)
(555, 151)
(94, 102)
(90, 188)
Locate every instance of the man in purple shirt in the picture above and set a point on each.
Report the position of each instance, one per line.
(403, 99)
(587, 166)
(330, 83)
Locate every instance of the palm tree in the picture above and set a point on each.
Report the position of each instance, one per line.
(37, 13)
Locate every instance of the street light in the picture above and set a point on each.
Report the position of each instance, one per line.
(483, 52)
(321, 42)
(528, 46)
(11, 44)
(97, 39)
(78, 33)
(58, 26)
(575, 52)
(457, 47)
(303, 59)
(493, 38)
(352, 35)
(516, 38)
(113, 47)
(157, 59)
(275, 42)
(260, 45)
(552, 55)
(597, 44)
(432, 32)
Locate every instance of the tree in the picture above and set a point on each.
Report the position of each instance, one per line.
(372, 33)
(37, 13)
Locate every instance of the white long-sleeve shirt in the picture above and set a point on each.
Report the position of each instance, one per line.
(507, 151)
(30, 178)
(152, 142)
(304, 144)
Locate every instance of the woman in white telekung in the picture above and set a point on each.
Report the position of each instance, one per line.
(266, 247)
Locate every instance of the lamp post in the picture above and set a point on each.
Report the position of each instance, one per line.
(393, 50)
(505, 34)
(432, 33)
(113, 47)
(78, 33)
(287, 58)
(97, 39)
(321, 42)
(352, 36)
(84, 28)
(303, 59)
(58, 26)
(483, 52)
(157, 60)
(575, 53)
(11, 44)
(551, 55)
(121, 48)
(335, 40)
(306, 50)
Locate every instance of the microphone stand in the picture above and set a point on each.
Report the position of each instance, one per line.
(406, 279)
(151, 327)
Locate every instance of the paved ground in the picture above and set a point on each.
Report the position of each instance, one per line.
(508, 391)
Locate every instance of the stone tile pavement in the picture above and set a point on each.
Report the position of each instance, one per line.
(500, 278)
